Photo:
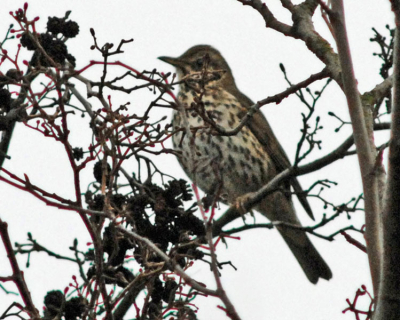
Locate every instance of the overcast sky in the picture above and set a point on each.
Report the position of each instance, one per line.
(268, 284)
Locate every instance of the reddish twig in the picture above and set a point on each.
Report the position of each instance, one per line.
(18, 276)
(354, 242)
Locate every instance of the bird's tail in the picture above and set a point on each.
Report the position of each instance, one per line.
(307, 255)
(277, 207)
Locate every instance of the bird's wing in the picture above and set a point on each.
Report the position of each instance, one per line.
(260, 127)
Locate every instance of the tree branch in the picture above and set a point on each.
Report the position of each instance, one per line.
(388, 306)
(364, 145)
(18, 276)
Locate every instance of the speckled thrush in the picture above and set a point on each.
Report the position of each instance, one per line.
(239, 164)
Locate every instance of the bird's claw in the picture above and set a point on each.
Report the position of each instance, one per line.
(241, 203)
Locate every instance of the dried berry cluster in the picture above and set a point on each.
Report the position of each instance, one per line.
(54, 47)
(171, 221)
(158, 214)
(69, 29)
(56, 306)
(5, 98)
(161, 291)
(170, 230)
(154, 212)
(12, 76)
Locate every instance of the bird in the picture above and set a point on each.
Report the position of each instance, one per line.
(239, 164)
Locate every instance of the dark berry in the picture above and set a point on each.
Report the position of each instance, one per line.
(138, 202)
(55, 25)
(54, 299)
(90, 255)
(158, 290)
(186, 313)
(109, 238)
(118, 200)
(98, 172)
(14, 74)
(123, 276)
(74, 308)
(77, 153)
(98, 202)
(71, 59)
(154, 311)
(170, 287)
(191, 223)
(5, 99)
(45, 40)
(38, 60)
(27, 42)
(57, 50)
(91, 272)
(70, 29)
(3, 81)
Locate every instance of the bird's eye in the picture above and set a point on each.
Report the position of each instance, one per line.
(199, 62)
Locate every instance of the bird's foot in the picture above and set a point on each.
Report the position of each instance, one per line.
(241, 203)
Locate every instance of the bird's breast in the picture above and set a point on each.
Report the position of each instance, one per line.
(235, 164)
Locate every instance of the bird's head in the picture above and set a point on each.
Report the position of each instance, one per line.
(201, 57)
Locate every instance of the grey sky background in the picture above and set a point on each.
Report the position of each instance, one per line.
(268, 283)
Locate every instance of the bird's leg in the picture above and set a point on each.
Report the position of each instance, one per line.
(241, 203)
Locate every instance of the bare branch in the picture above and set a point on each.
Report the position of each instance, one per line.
(364, 144)
(269, 18)
(388, 306)
(172, 265)
(17, 275)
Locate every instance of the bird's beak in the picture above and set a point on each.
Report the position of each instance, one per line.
(173, 61)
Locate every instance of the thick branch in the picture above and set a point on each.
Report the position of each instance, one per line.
(380, 91)
(303, 28)
(365, 150)
(389, 291)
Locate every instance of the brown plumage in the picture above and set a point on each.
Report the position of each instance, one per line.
(242, 163)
